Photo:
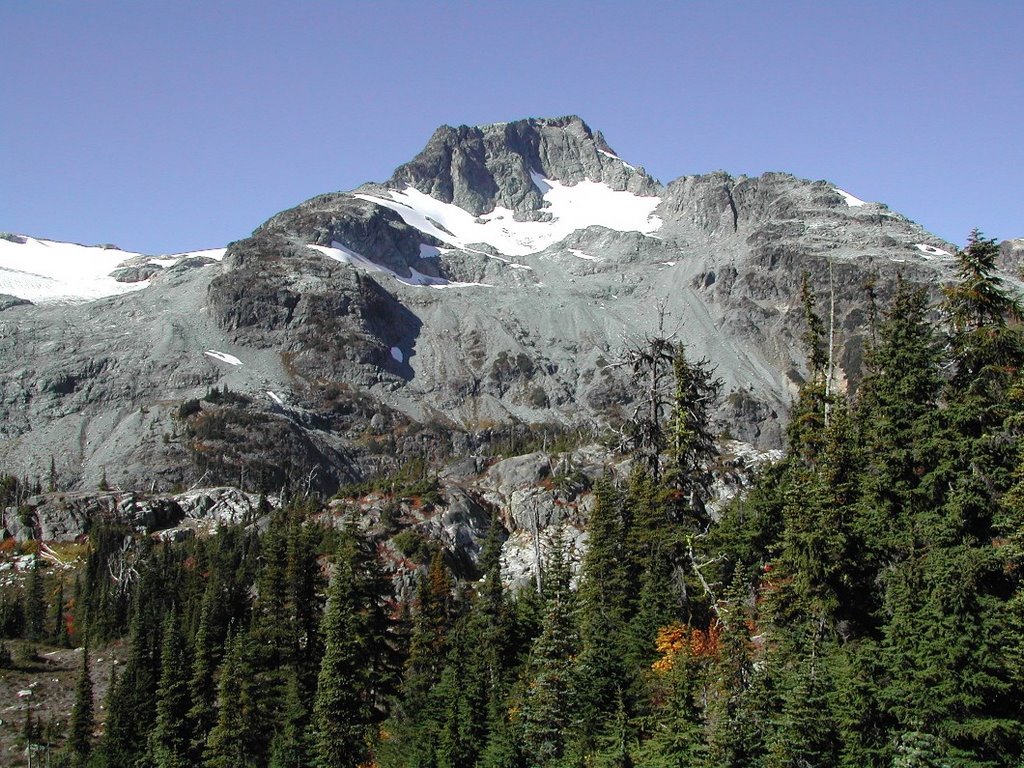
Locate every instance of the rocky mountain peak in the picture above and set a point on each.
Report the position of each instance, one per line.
(483, 167)
(492, 281)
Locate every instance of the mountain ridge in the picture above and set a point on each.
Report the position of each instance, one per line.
(493, 279)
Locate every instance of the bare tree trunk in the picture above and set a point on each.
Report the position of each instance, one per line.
(831, 343)
(536, 552)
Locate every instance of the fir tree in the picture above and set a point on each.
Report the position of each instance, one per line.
(60, 625)
(80, 730)
(979, 308)
(550, 703)
(691, 447)
(202, 713)
(170, 739)
(605, 602)
(235, 739)
(35, 604)
(347, 689)
(289, 748)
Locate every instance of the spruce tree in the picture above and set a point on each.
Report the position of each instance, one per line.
(170, 739)
(344, 708)
(290, 747)
(81, 725)
(550, 704)
(235, 738)
(35, 604)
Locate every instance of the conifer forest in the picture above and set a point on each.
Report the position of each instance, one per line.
(860, 604)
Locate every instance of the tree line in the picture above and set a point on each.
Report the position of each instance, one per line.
(861, 605)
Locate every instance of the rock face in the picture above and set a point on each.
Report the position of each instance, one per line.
(480, 168)
(55, 516)
(493, 281)
(1011, 256)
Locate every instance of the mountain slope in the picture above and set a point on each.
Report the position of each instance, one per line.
(495, 278)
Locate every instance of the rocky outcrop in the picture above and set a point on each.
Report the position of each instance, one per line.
(327, 320)
(1011, 256)
(61, 517)
(7, 301)
(480, 168)
(399, 339)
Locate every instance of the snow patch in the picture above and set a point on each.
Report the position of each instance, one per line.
(50, 271)
(931, 250)
(579, 206)
(397, 355)
(616, 157)
(582, 255)
(339, 252)
(274, 396)
(853, 202)
(224, 357)
(541, 183)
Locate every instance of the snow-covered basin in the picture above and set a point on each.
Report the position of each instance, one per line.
(571, 207)
(50, 271)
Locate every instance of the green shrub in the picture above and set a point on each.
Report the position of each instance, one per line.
(189, 408)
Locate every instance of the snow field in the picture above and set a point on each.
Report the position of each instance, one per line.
(579, 206)
(224, 357)
(339, 252)
(853, 202)
(49, 271)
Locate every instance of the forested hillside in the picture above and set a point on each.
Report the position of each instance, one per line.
(861, 605)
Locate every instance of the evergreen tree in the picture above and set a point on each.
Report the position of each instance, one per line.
(131, 703)
(304, 587)
(236, 740)
(807, 419)
(170, 739)
(727, 735)
(691, 441)
(59, 635)
(805, 732)
(202, 713)
(35, 604)
(289, 748)
(605, 601)
(80, 730)
(979, 309)
(895, 417)
(344, 708)
(650, 361)
(550, 705)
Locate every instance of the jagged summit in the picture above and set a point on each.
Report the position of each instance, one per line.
(492, 280)
(483, 167)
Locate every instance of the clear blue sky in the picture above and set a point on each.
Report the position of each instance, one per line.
(165, 126)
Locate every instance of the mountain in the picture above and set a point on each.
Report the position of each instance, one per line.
(492, 282)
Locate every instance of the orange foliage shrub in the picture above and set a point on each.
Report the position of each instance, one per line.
(680, 638)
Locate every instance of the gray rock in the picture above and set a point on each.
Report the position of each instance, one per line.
(1011, 256)
(14, 525)
(7, 301)
(479, 168)
(136, 274)
(373, 369)
(511, 474)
